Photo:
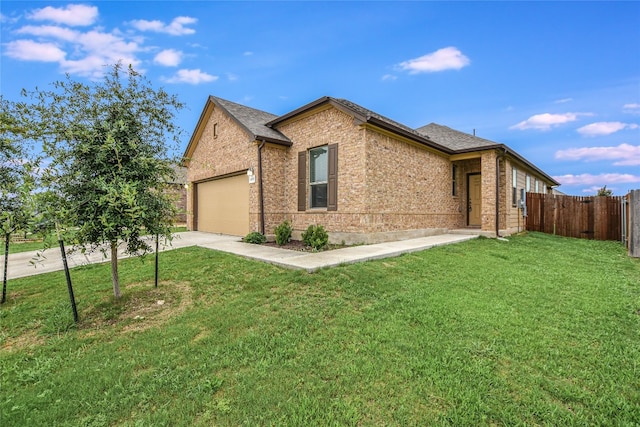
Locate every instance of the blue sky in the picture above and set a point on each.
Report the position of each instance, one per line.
(559, 82)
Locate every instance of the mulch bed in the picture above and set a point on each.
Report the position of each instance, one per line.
(297, 245)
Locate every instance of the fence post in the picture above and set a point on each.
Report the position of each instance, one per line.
(634, 223)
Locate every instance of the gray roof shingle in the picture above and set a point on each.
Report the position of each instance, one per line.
(252, 120)
(453, 139)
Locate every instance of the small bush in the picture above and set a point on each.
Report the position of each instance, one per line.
(316, 237)
(283, 233)
(255, 237)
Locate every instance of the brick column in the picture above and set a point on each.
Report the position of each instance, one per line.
(488, 169)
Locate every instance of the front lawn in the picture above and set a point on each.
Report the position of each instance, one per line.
(35, 244)
(540, 330)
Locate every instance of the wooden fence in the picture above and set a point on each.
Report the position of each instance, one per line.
(594, 217)
(633, 220)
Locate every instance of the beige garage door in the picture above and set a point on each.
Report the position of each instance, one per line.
(223, 206)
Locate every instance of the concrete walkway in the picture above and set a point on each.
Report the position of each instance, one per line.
(20, 264)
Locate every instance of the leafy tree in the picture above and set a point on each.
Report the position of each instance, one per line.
(16, 181)
(107, 146)
(604, 192)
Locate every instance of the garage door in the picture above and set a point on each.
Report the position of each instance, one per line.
(223, 206)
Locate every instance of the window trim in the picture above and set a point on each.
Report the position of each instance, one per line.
(318, 183)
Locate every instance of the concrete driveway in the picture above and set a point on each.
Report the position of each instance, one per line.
(21, 264)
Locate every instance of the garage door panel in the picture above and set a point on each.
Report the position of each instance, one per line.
(223, 206)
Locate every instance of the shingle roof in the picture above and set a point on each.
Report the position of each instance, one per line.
(252, 120)
(368, 114)
(453, 139)
(365, 116)
(460, 142)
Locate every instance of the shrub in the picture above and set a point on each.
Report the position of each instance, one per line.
(316, 237)
(255, 237)
(283, 233)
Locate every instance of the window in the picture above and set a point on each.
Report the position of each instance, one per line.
(528, 183)
(318, 177)
(537, 186)
(215, 130)
(544, 188)
(514, 184)
(454, 180)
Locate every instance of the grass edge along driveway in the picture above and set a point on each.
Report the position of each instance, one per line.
(538, 330)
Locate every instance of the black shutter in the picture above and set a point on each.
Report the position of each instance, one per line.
(332, 187)
(302, 180)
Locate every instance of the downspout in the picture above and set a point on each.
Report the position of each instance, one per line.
(498, 157)
(261, 185)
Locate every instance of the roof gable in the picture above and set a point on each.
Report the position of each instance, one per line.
(251, 120)
(362, 115)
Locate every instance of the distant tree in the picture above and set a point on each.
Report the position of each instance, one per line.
(16, 181)
(604, 192)
(107, 145)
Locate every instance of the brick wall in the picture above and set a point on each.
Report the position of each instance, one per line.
(230, 150)
(408, 186)
(273, 169)
(384, 183)
(323, 127)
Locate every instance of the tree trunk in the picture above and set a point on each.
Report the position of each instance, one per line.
(114, 270)
(6, 263)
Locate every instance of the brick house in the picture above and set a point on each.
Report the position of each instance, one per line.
(362, 176)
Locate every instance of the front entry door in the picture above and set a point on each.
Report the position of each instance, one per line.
(474, 204)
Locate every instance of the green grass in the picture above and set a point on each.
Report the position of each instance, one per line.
(540, 330)
(32, 246)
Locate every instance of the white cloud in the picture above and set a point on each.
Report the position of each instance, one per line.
(598, 180)
(593, 189)
(232, 77)
(389, 77)
(7, 19)
(193, 77)
(56, 32)
(168, 58)
(563, 100)
(88, 52)
(546, 121)
(448, 58)
(73, 14)
(624, 154)
(77, 52)
(29, 50)
(248, 53)
(605, 128)
(177, 27)
(631, 108)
